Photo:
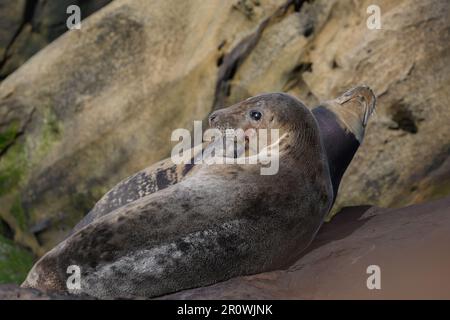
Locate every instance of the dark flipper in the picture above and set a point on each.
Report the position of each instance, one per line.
(342, 123)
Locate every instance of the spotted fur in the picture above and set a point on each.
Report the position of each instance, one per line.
(170, 228)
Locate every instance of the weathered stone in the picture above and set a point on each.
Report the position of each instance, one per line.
(28, 26)
(15, 261)
(11, 14)
(14, 292)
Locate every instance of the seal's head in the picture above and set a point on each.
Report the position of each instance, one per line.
(279, 111)
(342, 124)
(266, 111)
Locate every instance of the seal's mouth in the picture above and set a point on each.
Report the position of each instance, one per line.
(236, 145)
(223, 127)
(238, 137)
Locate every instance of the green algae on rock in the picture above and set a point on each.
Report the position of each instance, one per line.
(15, 262)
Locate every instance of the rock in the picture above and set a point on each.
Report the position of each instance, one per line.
(15, 262)
(410, 246)
(11, 13)
(100, 103)
(28, 26)
(14, 292)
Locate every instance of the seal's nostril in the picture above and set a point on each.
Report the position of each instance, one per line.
(212, 118)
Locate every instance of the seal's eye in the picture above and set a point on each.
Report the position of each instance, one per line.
(255, 115)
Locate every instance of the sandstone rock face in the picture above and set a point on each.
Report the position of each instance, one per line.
(11, 13)
(100, 103)
(28, 26)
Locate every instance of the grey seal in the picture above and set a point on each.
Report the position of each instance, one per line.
(173, 227)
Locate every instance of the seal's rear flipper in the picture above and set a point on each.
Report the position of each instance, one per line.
(342, 123)
(353, 109)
